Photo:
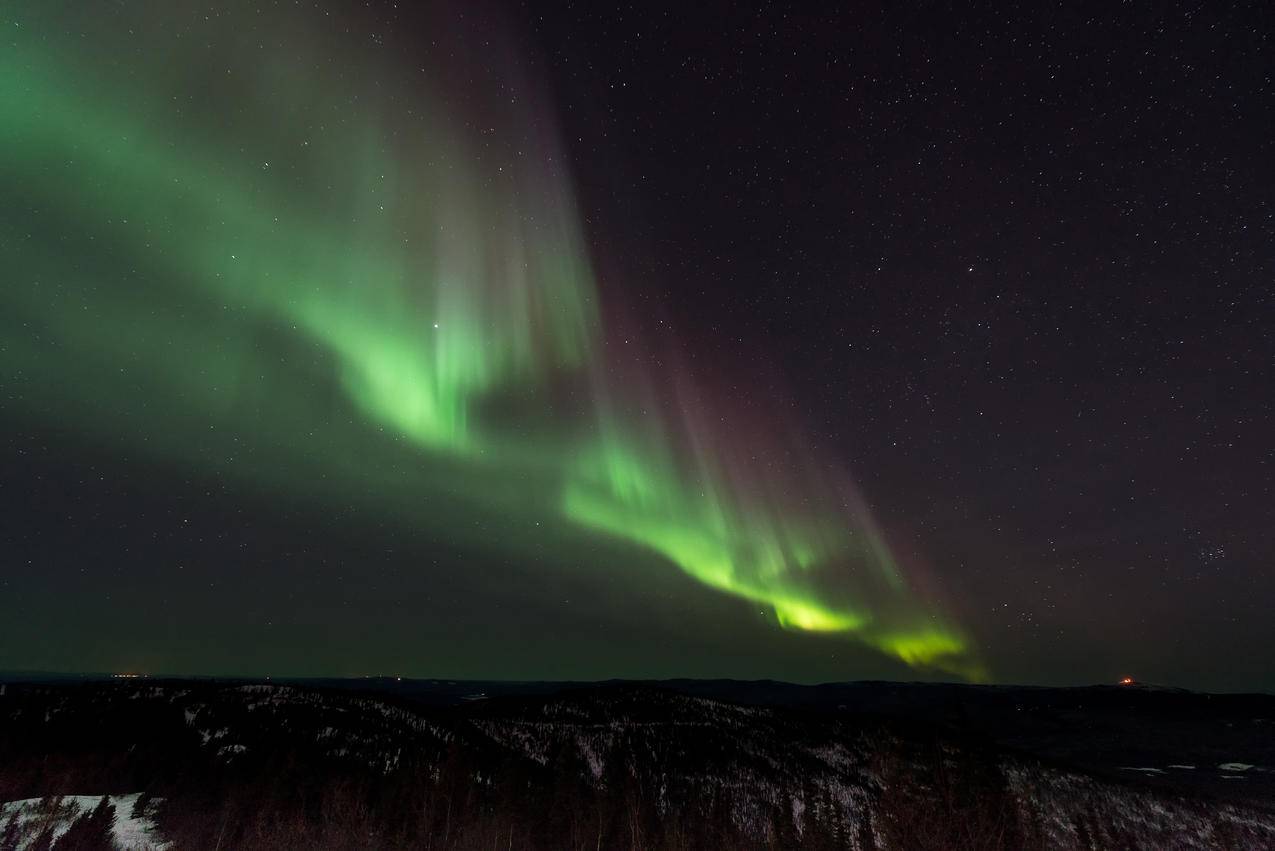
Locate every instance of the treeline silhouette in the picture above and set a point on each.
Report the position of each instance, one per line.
(344, 772)
(289, 799)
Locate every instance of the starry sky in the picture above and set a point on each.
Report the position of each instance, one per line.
(531, 341)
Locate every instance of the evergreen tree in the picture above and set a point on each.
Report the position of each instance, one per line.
(11, 832)
(48, 810)
(91, 831)
(867, 839)
(43, 841)
(786, 834)
(141, 805)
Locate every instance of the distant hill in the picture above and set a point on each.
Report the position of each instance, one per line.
(391, 763)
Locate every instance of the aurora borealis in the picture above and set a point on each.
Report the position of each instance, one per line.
(366, 271)
(432, 275)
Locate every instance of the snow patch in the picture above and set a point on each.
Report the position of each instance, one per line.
(128, 832)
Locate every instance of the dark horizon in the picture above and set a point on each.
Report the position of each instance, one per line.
(14, 675)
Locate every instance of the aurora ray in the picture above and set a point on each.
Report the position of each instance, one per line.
(228, 246)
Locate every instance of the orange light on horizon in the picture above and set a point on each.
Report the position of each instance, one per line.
(1126, 681)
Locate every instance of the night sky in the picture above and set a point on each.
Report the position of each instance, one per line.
(548, 341)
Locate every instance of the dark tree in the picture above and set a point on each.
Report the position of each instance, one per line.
(91, 831)
(141, 804)
(10, 833)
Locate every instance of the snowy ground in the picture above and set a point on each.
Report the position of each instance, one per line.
(129, 833)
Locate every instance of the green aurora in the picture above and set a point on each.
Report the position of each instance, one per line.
(299, 269)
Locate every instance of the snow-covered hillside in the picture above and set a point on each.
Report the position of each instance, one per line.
(628, 766)
(32, 820)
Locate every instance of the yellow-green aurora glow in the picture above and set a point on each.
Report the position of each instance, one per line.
(222, 247)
